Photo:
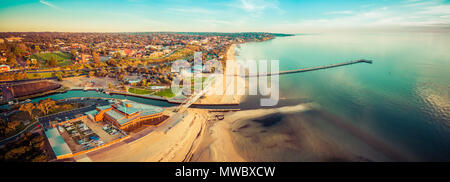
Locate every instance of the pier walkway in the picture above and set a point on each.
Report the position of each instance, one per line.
(313, 68)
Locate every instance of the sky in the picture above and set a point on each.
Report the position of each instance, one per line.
(283, 16)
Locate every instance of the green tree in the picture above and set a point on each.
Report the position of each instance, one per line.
(16, 153)
(18, 51)
(45, 105)
(59, 76)
(112, 62)
(37, 139)
(52, 62)
(37, 48)
(28, 107)
(144, 82)
(11, 61)
(40, 158)
(120, 77)
(13, 125)
(74, 53)
(28, 62)
(96, 57)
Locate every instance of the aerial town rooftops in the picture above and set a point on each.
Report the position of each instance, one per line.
(126, 111)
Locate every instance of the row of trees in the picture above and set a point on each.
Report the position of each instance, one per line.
(44, 106)
(6, 128)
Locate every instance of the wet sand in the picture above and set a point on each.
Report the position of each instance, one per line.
(291, 133)
(219, 141)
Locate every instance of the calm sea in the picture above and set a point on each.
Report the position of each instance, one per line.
(402, 99)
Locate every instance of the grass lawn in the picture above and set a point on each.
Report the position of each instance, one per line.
(203, 80)
(139, 91)
(165, 93)
(38, 75)
(62, 58)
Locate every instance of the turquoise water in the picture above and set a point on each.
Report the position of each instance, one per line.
(402, 98)
(81, 93)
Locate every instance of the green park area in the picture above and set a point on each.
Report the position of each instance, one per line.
(167, 93)
(62, 58)
(39, 75)
(139, 91)
(193, 80)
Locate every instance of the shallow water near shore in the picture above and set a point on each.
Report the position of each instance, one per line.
(397, 106)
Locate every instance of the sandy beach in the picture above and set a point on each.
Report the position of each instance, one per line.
(216, 141)
(193, 137)
(229, 84)
(219, 142)
(275, 135)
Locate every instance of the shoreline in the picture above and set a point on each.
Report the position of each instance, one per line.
(226, 85)
(216, 142)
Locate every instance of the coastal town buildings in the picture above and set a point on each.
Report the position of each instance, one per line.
(14, 39)
(101, 127)
(128, 115)
(4, 68)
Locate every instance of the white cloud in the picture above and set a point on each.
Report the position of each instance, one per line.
(436, 10)
(257, 7)
(252, 6)
(346, 12)
(50, 5)
(403, 15)
(192, 10)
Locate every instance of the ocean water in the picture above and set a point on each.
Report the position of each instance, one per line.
(399, 103)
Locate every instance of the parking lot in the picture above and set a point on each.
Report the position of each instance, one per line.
(47, 121)
(106, 131)
(85, 134)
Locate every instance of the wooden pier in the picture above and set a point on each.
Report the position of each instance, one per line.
(313, 68)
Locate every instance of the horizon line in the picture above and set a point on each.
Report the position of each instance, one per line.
(141, 32)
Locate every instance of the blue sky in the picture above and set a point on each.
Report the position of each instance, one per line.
(288, 16)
